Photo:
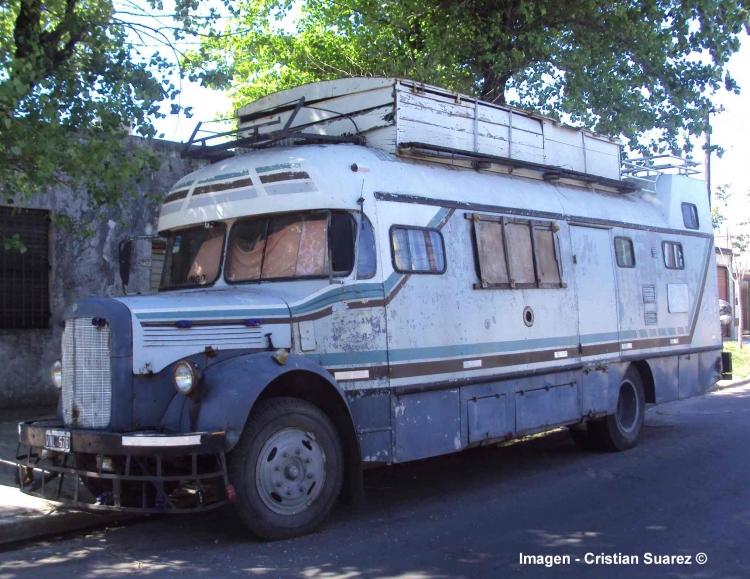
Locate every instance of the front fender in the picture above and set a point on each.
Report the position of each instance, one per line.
(230, 389)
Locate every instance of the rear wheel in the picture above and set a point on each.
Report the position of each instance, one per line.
(619, 431)
(287, 468)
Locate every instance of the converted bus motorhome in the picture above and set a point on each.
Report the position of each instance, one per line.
(375, 271)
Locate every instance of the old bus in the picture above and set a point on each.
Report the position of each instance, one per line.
(373, 271)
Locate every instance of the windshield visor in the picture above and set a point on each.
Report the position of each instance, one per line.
(193, 256)
(292, 246)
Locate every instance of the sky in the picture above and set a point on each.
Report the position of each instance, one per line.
(731, 130)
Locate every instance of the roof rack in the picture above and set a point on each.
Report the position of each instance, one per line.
(251, 138)
(480, 161)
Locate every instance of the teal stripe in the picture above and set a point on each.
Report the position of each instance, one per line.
(602, 337)
(277, 167)
(328, 299)
(461, 350)
(350, 358)
(225, 176)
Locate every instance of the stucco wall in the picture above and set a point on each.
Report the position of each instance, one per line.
(80, 266)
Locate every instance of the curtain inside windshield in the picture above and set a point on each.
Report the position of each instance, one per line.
(193, 256)
(281, 247)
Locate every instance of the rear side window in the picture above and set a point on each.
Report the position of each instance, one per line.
(417, 250)
(690, 216)
(673, 258)
(516, 253)
(624, 252)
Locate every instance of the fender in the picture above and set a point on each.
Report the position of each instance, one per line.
(231, 388)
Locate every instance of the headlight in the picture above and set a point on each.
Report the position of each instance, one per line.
(186, 377)
(57, 374)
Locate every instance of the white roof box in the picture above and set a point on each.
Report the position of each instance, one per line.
(406, 118)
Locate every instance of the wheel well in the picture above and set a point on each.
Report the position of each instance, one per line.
(649, 387)
(318, 391)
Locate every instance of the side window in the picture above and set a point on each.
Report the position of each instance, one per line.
(690, 216)
(624, 252)
(417, 250)
(367, 263)
(673, 258)
(341, 242)
(516, 253)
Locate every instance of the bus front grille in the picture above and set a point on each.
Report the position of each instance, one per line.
(86, 374)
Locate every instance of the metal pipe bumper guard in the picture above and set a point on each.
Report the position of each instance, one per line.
(141, 472)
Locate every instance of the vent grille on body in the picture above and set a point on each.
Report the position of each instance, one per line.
(650, 315)
(86, 374)
(226, 337)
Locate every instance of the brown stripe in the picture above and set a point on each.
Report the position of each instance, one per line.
(216, 187)
(181, 194)
(285, 176)
(352, 305)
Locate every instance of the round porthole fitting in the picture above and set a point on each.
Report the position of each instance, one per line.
(528, 316)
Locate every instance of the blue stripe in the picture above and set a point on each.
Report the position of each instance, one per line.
(350, 358)
(180, 315)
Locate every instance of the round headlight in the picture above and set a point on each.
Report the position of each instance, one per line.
(57, 374)
(186, 377)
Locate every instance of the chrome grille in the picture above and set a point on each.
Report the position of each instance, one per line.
(86, 374)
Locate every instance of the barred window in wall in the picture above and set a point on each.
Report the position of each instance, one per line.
(516, 253)
(24, 277)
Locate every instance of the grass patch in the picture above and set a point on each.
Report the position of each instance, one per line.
(740, 358)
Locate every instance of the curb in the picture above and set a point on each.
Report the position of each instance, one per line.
(36, 525)
(730, 384)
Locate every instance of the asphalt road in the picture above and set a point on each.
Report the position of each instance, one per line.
(684, 490)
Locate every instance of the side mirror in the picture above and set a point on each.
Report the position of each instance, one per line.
(125, 255)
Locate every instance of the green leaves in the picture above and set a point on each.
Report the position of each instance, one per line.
(641, 69)
(74, 86)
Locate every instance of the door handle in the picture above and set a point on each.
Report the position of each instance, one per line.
(575, 259)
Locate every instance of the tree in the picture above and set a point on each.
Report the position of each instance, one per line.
(618, 67)
(736, 253)
(74, 82)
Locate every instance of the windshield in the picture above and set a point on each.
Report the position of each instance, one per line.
(193, 256)
(291, 246)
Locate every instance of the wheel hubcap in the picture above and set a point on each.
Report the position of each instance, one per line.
(290, 472)
(628, 409)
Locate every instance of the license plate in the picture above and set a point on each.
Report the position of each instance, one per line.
(57, 440)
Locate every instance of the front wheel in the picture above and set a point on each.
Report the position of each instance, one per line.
(619, 431)
(287, 468)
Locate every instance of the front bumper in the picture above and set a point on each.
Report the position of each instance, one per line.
(140, 472)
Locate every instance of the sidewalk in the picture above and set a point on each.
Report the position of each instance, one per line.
(23, 517)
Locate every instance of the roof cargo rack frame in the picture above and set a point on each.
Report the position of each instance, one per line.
(549, 174)
(198, 148)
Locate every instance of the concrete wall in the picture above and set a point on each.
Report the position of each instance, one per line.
(80, 266)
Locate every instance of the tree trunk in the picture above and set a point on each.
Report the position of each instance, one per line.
(493, 87)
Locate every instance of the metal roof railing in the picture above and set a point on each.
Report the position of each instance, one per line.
(650, 167)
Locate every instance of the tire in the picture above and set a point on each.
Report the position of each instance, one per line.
(287, 469)
(619, 431)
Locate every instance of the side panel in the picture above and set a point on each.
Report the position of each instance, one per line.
(595, 290)
(427, 424)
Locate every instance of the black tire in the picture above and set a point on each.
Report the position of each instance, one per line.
(619, 431)
(294, 472)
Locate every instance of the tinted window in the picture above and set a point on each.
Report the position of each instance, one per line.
(673, 258)
(366, 257)
(341, 239)
(624, 252)
(417, 250)
(193, 256)
(690, 215)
